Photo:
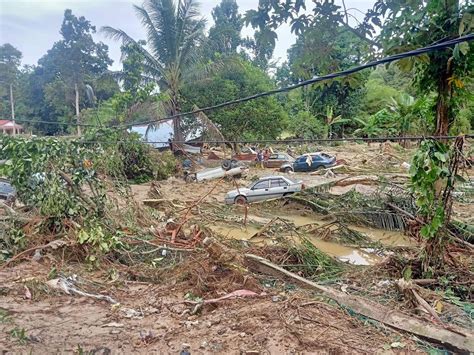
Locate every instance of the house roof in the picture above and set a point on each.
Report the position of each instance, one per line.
(9, 124)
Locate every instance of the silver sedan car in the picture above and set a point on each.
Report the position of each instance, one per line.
(264, 189)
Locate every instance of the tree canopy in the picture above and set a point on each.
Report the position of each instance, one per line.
(181, 63)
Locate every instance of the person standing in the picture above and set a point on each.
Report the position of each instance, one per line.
(260, 158)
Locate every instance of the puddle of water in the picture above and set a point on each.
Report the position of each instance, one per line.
(351, 255)
(229, 231)
(347, 254)
(389, 238)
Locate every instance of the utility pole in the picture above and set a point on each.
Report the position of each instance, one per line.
(12, 103)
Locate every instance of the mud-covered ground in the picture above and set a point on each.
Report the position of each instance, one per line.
(153, 316)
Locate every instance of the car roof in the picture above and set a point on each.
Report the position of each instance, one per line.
(273, 177)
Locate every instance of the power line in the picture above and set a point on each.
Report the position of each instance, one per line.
(287, 141)
(389, 59)
(416, 52)
(59, 123)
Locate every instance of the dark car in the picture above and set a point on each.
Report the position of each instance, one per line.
(310, 162)
(7, 191)
(277, 160)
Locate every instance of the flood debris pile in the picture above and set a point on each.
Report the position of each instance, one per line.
(362, 253)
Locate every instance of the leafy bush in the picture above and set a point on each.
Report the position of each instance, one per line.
(126, 155)
(462, 122)
(49, 173)
(305, 125)
(165, 165)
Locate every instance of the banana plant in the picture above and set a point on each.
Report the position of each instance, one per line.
(332, 120)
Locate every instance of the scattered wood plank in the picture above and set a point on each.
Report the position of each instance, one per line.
(374, 310)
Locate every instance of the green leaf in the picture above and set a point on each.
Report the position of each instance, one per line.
(464, 48)
(440, 156)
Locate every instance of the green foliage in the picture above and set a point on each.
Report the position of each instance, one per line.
(378, 93)
(126, 155)
(380, 123)
(313, 263)
(47, 92)
(166, 165)
(411, 25)
(304, 125)
(12, 241)
(319, 51)
(99, 240)
(224, 35)
(175, 31)
(10, 58)
(429, 176)
(36, 167)
(261, 118)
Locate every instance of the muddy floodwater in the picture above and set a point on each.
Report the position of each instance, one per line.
(346, 253)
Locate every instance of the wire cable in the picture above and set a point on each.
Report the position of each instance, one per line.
(296, 140)
(416, 52)
(433, 47)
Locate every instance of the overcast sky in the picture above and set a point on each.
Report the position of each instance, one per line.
(33, 26)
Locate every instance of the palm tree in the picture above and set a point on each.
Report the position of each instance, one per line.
(174, 34)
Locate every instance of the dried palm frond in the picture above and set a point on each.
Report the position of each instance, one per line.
(379, 219)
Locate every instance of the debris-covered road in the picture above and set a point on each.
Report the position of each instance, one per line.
(191, 285)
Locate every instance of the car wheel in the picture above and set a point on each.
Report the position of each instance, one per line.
(189, 178)
(288, 194)
(320, 167)
(226, 164)
(288, 170)
(240, 200)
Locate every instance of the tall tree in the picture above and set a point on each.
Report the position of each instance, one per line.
(257, 119)
(75, 59)
(318, 51)
(416, 24)
(224, 35)
(10, 60)
(410, 23)
(174, 34)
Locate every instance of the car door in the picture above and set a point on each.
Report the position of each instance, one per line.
(276, 189)
(301, 164)
(307, 162)
(317, 161)
(279, 187)
(259, 191)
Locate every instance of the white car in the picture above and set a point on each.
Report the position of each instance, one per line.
(264, 189)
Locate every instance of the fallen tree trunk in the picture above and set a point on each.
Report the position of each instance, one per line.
(374, 310)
